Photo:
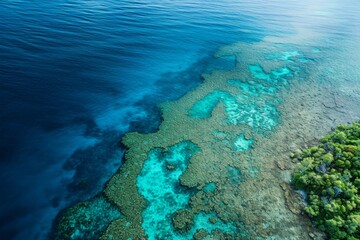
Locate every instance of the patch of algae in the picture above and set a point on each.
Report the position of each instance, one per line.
(277, 104)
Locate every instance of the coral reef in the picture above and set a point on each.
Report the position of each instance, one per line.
(217, 167)
(228, 119)
(330, 174)
(86, 220)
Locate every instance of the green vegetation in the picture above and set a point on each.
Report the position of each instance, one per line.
(330, 175)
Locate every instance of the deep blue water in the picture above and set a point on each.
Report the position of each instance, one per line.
(76, 74)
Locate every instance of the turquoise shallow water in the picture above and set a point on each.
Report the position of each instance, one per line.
(241, 108)
(76, 75)
(159, 183)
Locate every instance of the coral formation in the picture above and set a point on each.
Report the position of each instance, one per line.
(226, 119)
(215, 167)
(86, 220)
(160, 187)
(330, 174)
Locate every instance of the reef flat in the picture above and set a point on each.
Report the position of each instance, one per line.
(218, 166)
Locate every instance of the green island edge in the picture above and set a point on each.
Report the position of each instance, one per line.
(329, 174)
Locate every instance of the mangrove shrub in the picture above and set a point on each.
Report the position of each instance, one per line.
(329, 173)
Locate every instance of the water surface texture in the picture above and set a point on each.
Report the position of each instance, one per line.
(76, 75)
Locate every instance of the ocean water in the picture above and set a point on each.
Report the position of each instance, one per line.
(76, 75)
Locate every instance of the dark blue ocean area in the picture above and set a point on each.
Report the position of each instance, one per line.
(75, 75)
